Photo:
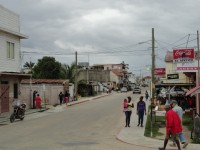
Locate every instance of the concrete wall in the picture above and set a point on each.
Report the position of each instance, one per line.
(95, 75)
(49, 93)
(171, 69)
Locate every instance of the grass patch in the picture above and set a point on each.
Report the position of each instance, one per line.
(160, 122)
(187, 121)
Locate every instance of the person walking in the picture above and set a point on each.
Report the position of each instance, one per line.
(179, 112)
(125, 105)
(130, 105)
(141, 110)
(61, 98)
(38, 101)
(146, 95)
(173, 127)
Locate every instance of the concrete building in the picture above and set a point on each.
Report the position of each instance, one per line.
(10, 59)
(105, 74)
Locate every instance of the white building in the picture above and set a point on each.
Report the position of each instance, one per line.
(10, 75)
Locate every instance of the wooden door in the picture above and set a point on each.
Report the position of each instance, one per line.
(4, 97)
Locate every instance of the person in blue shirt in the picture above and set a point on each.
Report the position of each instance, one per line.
(141, 110)
(179, 111)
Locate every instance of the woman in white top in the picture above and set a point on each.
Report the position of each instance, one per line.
(129, 112)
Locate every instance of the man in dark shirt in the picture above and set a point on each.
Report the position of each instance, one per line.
(141, 110)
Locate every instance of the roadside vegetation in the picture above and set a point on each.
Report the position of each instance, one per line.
(160, 123)
(156, 124)
(189, 123)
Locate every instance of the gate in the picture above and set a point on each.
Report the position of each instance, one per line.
(4, 98)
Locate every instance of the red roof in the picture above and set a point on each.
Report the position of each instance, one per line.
(43, 81)
(117, 72)
(147, 77)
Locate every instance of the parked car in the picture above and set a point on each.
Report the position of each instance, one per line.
(137, 90)
(124, 89)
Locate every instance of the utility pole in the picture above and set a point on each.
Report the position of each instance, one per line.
(152, 76)
(197, 84)
(75, 86)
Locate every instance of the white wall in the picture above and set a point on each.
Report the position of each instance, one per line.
(9, 65)
(9, 19)
(171, 69)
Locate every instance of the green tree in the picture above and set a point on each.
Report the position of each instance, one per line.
(47, 68)
(69, 72)
(29, 65)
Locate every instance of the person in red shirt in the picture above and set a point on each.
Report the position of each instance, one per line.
(38, 101)
(173, 127)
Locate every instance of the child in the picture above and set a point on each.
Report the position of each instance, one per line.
(125, 103)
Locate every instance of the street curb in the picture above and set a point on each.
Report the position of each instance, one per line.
(123, 141)
(117, 138)
(79, 102)
(6, 119)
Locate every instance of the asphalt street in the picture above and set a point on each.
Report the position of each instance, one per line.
(92, 125)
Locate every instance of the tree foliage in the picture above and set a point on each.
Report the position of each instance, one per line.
(30, 66)
(47, 68)
(69, 72)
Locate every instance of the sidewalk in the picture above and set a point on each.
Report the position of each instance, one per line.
(5, 117)
(135, 136)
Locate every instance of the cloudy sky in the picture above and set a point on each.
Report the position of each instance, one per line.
(106, 31)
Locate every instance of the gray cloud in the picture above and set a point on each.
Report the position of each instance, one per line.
(66, 26)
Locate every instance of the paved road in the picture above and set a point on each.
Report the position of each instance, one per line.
(88, 126)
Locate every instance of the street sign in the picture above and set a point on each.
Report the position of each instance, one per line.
(172, 76)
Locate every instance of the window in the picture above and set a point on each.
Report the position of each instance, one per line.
(10, 50)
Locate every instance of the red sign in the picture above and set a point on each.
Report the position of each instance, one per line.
(183, 55)
(159, 71)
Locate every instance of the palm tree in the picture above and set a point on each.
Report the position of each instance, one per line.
(29, 65)
(69, 72)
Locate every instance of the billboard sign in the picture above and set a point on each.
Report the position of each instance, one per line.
(183, 55)
(159, 71)
(172, 76)
(187, 67)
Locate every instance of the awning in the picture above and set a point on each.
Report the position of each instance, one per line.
(193, 91)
